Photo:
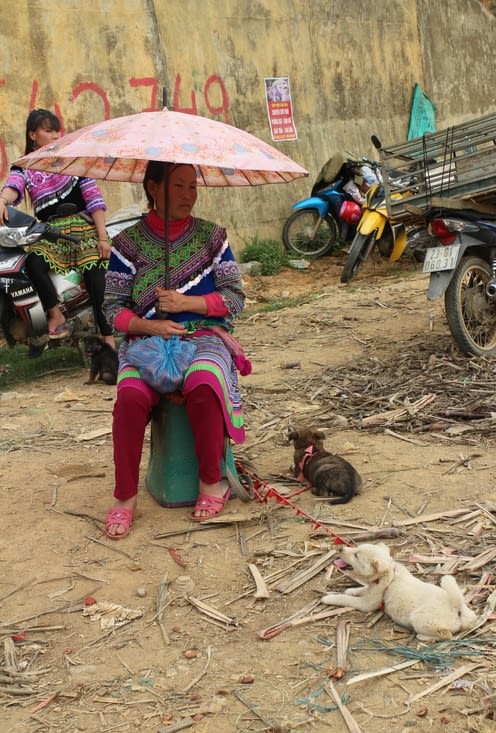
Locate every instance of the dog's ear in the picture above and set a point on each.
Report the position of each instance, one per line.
(382, 560)
(379, 566)
(384, 547)
(318, 435)
(293, 435)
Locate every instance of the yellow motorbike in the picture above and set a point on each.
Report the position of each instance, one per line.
(374, 228)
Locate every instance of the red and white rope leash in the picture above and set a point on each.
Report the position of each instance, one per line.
(263, 492)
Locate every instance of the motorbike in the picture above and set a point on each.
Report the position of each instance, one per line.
(375, 229)
(462, 267)
(325, 221)
(22, 317)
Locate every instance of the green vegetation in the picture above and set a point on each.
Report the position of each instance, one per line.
(16, 367)
(268, 252)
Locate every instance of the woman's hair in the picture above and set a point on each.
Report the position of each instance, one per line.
(36, 119)
(157, 171)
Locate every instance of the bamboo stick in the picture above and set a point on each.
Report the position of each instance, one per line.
(444, 682)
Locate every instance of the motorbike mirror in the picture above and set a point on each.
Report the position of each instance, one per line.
(18, 218)
(376, 142)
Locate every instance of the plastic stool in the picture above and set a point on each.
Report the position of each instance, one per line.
(172, 474)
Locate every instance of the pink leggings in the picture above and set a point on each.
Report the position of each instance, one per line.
(132, 411)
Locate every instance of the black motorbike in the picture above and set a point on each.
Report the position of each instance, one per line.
(462, 267)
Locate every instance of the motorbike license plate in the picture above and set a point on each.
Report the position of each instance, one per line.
(441, 258)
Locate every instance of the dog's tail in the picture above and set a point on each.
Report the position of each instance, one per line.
(343, 499)
(352, 489)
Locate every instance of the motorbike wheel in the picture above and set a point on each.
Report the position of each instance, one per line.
(300, 238)
(356, 256)
(470, 313)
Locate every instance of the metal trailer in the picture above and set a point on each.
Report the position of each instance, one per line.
(452, 168)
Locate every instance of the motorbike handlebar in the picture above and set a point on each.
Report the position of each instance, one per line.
(52, 234)
(46, 231)
(43, 230)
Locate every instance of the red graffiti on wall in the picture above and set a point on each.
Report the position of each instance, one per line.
(147, 81)
(215, 99)
(214, 86)
(89, 86)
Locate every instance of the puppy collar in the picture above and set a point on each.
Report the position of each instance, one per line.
(306, 457)
(381, 607)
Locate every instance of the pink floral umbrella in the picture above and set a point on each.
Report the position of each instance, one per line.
(119, 149)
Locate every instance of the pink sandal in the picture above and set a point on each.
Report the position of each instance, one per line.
(119, 515)
(60, 332)
(213, 505)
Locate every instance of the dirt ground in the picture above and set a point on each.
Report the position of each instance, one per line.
(156, 660)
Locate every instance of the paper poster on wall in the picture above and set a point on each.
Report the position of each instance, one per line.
(280, 108)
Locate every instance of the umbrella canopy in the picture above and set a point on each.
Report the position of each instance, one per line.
(118, 150)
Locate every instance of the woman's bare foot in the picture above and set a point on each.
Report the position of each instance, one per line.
(120, 517)
(55, 318)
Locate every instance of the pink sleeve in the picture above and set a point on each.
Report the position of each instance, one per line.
(122, 319)
(215, 305)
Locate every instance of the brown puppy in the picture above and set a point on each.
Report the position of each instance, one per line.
(329, 475)
(103, 360)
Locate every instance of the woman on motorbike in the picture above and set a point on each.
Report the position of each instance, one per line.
(47, 192)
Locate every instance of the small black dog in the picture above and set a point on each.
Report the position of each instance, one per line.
(328, 474)
(103, 360)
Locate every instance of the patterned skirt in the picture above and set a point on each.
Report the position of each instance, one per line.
(212, 365)
(62, 256)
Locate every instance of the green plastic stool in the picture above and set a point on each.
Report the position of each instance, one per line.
(172, 474)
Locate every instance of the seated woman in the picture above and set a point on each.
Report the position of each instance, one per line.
(203, 301)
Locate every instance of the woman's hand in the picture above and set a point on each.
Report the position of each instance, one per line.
(3, 212)
(166, 328)
(4, 202)
(104, 249)
(155, 327)
(170, 301)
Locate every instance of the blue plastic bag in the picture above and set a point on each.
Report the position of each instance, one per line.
(162, 363)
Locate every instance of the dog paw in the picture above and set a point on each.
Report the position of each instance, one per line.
(436, 635)
(330, 599)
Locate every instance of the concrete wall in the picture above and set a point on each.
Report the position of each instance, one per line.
(352, 66)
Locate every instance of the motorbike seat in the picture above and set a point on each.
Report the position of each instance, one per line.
(477, 216)
(324, 195)
(469, 214)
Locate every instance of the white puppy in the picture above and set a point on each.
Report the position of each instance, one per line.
(433, 612)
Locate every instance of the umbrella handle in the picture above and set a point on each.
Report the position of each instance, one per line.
(161, 315)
